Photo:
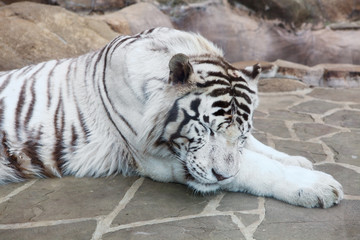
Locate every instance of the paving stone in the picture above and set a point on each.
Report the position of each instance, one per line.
(284, 221)
(289, 115)
(345, 146)
(349, 179)
(273, 126)
(162, 200)
(312, 151)
(280, 85)
(260, 136)
(217, 228)
(306, 131)
(357, 106)
(78, 230)
(314, 106)
(272, 102)
(247, 219)
(258, 114)
(66, 198)
(344, 118)
(8, 188)
(337, 94)
(234, 201)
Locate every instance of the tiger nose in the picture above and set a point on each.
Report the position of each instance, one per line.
(218, 176)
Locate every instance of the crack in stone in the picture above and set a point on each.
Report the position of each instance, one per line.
(17, 191)
(103, 223)
(43, 223)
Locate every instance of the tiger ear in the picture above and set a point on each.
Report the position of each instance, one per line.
(180, 69)
(254, 71)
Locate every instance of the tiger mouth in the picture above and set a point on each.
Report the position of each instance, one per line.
(197, 185)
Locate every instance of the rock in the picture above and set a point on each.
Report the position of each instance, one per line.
(97, 5)
(14, 1)
(242, 38)
(136, 18)
(345, 147)
(345, 26)
(298, 12)
(326, 75)
(340, 75)
(280, 85)
(31, 33)
(245, 38)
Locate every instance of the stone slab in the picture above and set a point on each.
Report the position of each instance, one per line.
(306, 131)
(337, 94)
(345, 146)
(283, 221)
(349, 179)
(344, 118)
(272, 102)
(66, 198)
(217, 228)
(290, 115)
(233, 201)
(273, 126)
(314, 106)
(280, 85)
(161, 200)
(312, 151)
(78, 230)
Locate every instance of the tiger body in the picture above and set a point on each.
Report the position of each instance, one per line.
(162, 104)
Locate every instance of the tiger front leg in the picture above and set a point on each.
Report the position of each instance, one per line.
(255, 145)
(262, 176)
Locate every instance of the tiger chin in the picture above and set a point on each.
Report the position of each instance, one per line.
(163, 104)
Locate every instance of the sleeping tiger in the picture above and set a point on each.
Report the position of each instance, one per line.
(163, 104)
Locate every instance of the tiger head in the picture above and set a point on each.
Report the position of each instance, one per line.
(210, 118)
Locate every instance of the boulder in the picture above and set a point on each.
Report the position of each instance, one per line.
(298, 12)
(324, 75)
(280, 85)
(93, 5)
(240, 36)
(136, 18)
(31, 33)
(245, 37)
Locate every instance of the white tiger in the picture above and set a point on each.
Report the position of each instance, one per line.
(162, 104)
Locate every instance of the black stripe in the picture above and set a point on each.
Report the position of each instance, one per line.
(103, 102)
(2, 110)
(19, 107)
(107, 96)
(242, 95)
(13, 163)
(244, 87)
(221, 104)
(220, 75)
(33, 97)
(222, 112)
(242, 107)
(212, 83)
(5, 82)
(59, 134)
(31, 105)
(220, 92)
(74, 136)
(50, 75)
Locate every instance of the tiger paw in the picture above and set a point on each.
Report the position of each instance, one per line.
(324, 193)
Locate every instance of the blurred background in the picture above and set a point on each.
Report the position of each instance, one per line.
(307, 32)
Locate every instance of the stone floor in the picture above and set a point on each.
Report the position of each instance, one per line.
(321, 124)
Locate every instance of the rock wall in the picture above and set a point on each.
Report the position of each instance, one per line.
(32, 32)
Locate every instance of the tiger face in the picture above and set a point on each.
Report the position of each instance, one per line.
(208, 123)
